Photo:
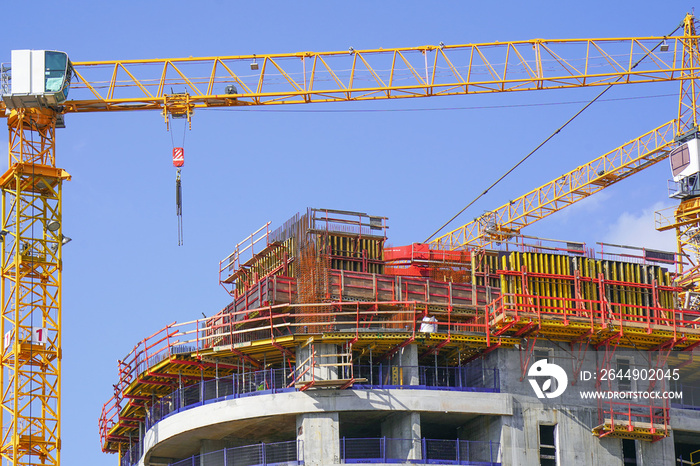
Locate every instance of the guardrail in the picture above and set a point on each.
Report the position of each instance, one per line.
(595, 311)
(227, 330)
(236, 326)
(269, 381)
(691, 395)
(249, 325)
(232, 262)
(654, 418)
(261, 454)
(233, 386)
(419, 451)
(131, 456)
(458, 378)
(357, 450)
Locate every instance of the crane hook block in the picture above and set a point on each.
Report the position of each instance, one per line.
(178, 157)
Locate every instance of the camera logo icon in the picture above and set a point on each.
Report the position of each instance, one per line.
(553, 373)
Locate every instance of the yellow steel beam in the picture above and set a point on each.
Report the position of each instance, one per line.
(695, 458)
(308, 77)
(618, 164)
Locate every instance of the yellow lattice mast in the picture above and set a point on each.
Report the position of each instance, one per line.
(31, 283)
(690, 88)
(687, 215)
(31, 291)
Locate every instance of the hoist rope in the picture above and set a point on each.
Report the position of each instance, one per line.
(558, 130)
(178, 184)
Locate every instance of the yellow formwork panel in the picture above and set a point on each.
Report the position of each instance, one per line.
(551, 278)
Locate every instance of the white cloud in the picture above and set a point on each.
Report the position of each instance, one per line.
(637, 229)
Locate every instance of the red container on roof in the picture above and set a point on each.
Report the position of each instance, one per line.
(415, 251)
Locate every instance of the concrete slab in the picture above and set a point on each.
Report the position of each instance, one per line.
(274, 415)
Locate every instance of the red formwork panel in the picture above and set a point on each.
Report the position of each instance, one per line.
(269, 291)
(359, 286)
(410, 271)
(345, 285)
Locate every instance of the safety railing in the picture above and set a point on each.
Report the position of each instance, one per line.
(638, 255)
(246, 248)
(630, 416)
(225, 330)
(347, 317)
(261, 454)
(595, 311)
(419, 451)
(351, 286)
(460, 378)
(361, 286)
(109, 417)
(690, 393)
(260, 382)
(131, 456)
(270, 381)
(340, 221)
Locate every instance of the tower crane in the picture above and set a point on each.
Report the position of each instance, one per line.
(42, 87)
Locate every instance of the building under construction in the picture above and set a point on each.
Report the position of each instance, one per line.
(482, 347)
(337, 348)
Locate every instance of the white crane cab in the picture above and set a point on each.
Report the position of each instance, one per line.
(685, 166)
(39, 78)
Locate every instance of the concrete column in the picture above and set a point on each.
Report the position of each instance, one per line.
(319, 435)
(661, 452)
(403, 434)
(321, 358)
(211, 452)
(405, 366)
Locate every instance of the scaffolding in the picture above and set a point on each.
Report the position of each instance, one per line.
(320, 293)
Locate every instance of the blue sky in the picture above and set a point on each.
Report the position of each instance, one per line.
(417, 161)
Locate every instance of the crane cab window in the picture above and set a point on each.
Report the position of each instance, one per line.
(57, 73)
(680, 158)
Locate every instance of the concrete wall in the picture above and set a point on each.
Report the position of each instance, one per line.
(573, 416)
(485, 429)
(661, 452)
(573, 438)
(403, 434)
